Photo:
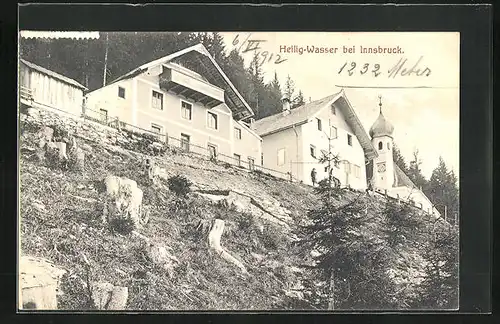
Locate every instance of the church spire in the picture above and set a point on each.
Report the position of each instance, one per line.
(381, 127)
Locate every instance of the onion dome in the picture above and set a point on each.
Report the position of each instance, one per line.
(381, 127)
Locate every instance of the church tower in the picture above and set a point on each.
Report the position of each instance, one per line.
(383, 165)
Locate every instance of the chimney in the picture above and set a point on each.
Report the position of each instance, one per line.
(252, 123)
(286, 105)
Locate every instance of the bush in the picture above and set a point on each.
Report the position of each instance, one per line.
(123, 226)
(180, 185)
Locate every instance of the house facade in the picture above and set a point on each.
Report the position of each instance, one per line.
(40, 87)
(294, 140)
(385, 176)
(187, 100)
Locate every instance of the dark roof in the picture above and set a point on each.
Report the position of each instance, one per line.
(300, 115)
(53, 74)
(401, 179)
(381, 127)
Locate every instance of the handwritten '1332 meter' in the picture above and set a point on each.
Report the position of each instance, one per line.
(401, 68)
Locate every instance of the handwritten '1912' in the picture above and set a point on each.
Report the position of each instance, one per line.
(254, 45)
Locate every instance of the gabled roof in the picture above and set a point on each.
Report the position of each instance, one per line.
(300, 115)
(199, 60)
(401, 179)
(53, 74)
(297, 116)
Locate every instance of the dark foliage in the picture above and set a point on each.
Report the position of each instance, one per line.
(179, 185)
(122, 226)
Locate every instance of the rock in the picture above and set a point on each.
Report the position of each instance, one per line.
(258, 257)
(33, 112)
(159, 255)
(123, 200)
(101, 294)
(39, 283)
(118, 299)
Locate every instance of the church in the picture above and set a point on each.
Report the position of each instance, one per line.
(384, 175)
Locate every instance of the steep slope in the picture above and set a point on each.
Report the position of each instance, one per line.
(60, 219)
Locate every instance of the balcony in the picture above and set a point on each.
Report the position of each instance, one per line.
(191, 87)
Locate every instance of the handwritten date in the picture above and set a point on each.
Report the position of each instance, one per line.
(253, 45)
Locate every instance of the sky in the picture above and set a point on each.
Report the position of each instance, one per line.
(426, 119)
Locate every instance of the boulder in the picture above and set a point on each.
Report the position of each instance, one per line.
(106, 296)
(159, 254)
(123, 199)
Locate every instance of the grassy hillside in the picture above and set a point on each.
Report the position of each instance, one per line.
(61, 212)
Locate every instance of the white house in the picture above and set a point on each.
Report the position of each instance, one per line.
(40, 87)
(185, 98)
(383, 173)
(295, 139)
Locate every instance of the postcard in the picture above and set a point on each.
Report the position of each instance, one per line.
(254, 171)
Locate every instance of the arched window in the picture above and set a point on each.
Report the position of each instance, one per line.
(388, 145)
(380, 145)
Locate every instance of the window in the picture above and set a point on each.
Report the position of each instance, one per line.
(380, 145)
(388, 145)
(156, 129)
(237, 159)
(157, 102)
(251, 163)
(185, 142)
(186, 110)
(104, 115)
(333, 132)
(121, 92)
(281, 156)
(334, 111)
(347, 167)
(212, 151)
(349, 139)
(356, 170)
(237, 133)
(319, 124)
(212, 120)
(262, 159)
(313, 151)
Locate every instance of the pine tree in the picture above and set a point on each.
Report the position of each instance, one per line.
(289, 88)
(439, 289)
(298, 100)
(414, 171)
(352, 262)
(399, 159)
(443, 191)
(275, 84)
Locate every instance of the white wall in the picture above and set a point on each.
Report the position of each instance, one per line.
(52, 92)
(383, 180)
(353, 154)
(421, 201)
(291, 143)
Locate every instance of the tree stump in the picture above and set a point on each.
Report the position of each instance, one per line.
(39, 283)
(214, 242)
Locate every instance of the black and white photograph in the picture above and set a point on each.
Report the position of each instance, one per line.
(238, 171)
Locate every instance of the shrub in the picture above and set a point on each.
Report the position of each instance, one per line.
(180, 185)
(123, 226)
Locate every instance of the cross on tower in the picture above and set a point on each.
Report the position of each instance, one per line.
(380, 103)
